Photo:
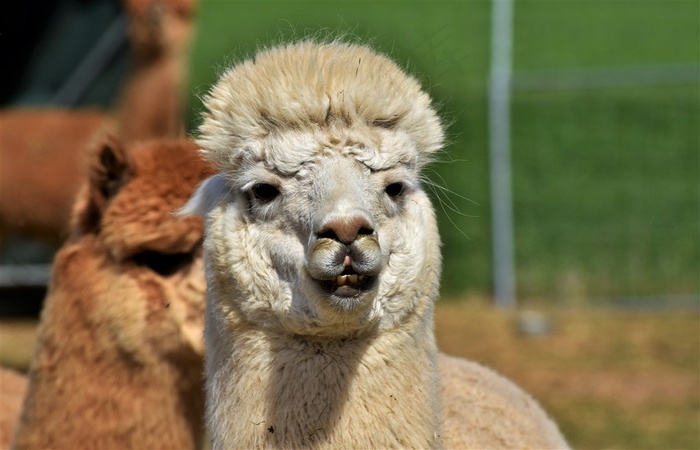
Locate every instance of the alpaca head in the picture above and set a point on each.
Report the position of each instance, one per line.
(160, 27)
(317, 223)
(141, 263)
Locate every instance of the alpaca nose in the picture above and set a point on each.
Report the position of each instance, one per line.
(346, 229)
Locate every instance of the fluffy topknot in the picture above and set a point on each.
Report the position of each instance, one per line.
(332, 87)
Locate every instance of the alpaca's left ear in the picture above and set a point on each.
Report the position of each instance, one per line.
(109, 168)
(207, 196)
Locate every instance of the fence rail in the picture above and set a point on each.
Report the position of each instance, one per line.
(24, 275)
(606, 77)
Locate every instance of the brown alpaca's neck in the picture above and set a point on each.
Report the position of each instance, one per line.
(85, 392)
(290, 392)
(83, 395)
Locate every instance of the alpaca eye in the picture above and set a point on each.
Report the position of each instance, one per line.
(264, 192)
(393, 190)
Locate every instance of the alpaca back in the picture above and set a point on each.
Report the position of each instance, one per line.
(482, 409)
(43, 165)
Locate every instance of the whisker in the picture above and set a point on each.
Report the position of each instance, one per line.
(446, 189)
(445, 196)
(446, 202)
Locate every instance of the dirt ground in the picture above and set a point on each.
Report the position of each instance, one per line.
(610, 379)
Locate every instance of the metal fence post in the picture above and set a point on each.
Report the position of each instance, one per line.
(499, 151)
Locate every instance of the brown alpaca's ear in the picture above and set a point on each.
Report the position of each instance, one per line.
(109, 168)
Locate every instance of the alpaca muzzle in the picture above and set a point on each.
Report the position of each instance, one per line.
(345, 270)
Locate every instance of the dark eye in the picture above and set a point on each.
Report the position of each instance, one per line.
(162, 263)
(264, 192)
(393, 190)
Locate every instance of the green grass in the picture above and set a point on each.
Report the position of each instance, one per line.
(606, 191)
(605, 181)
(567, 34)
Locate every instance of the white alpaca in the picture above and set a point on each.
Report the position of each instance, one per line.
(322, 259)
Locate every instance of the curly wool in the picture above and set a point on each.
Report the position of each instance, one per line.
(308, 86)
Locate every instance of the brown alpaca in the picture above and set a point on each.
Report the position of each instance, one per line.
(41, 150)
(160, 32)
(118, 357)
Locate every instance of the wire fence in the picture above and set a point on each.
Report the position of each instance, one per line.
(600, 196)
(602, 203)
(607, 184)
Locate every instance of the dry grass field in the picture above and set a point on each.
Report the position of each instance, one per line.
(611, 379)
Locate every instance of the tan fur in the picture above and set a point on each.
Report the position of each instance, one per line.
(481, 409)
(322, 274)
(118, 357)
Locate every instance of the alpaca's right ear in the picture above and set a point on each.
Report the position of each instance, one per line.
(109, 168)
(207, 196)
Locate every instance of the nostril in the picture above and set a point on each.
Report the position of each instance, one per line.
(328, 234)
(345, 229)
(365, 231)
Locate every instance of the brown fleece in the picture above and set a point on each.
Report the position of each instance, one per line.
(119, 353)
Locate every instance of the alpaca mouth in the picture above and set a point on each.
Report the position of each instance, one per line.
(349, 280)
(347, 284)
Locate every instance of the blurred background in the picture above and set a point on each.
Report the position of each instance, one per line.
(600, 191)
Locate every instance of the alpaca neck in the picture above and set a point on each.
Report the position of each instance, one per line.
(151, 104)
(268, 389)
(82, 394)
(85, 391)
